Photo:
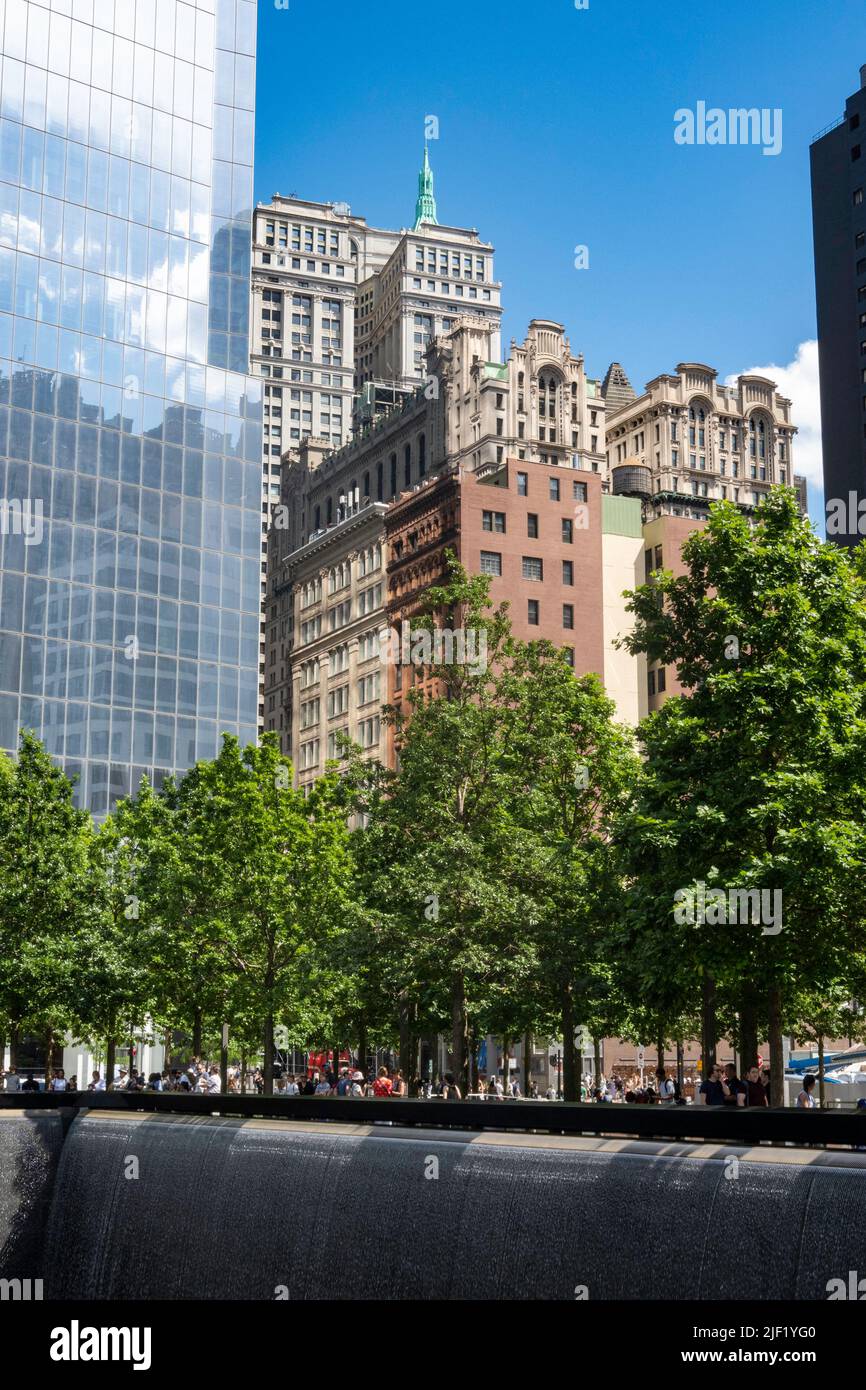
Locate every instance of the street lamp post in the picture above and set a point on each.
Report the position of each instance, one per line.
(556, 1060)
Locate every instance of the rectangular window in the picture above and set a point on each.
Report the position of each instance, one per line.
(522, 480)
(532, 525)
(338, 701)
(554, 489)
(493, 521)
(651, 682)
(568, 572)
(491, 562)
(568, 615)
(532, 612)
(368, 688)
(660, 680)
(567, 530)
(578, 492)
(533, 568)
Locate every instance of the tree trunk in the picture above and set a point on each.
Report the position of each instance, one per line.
(166, 1048)
(362, 1046)
(596, 1059)
(459, 1060)
(506, 1066)
(821, 1093)
(224, 1059)
(196, 1035)
(660, 1053)
(471, 1055)
(14, 1037)
(680, 1068)
(748, 1030)
(774, 1038)
(2, 1047)
(49, 1055)
(570, 1078)
(268, 1041)
(405, 1033)
(708, 1025)
(110, 1055)
(527, 1063)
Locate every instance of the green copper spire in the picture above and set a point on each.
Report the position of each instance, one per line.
(425, 207)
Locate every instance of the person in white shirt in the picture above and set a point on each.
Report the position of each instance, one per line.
(13, 1081)
(805, 1100)
(323, 1088)
(58, 1082)
(214, 1082)
(292, 1088)
(97, 1083)
(666, 1088)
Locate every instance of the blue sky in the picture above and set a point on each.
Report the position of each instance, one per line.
(556, 130)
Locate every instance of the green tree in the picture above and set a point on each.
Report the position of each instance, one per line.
(753, 779)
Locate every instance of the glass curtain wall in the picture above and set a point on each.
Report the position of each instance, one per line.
(130, 433)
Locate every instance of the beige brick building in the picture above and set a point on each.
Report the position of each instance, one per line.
(690, 440)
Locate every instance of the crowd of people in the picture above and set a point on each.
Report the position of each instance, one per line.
(721, 1087)
(11, 1081)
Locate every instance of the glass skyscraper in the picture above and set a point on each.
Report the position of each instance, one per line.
(130, 432)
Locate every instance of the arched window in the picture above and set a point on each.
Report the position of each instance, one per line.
(329, 512)
(547, 397)
(407, 465)
(393, 475)
(380, 483)
(318, 522)
(422, 455)
(366, 485)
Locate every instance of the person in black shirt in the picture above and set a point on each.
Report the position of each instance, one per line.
(712, 1090)
(736, 1093)
(756, 1091)
(30, 1084)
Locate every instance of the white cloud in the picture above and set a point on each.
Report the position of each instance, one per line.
(799, 382)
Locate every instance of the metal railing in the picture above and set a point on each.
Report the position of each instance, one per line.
(826, 131)
(712, 1124)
